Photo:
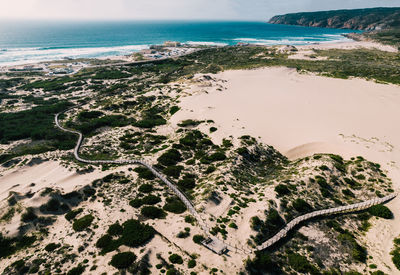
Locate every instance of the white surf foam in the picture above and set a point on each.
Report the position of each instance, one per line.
(18, 56)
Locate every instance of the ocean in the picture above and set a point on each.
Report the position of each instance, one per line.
(31, 42)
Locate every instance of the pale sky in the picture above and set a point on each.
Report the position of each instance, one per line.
(172, 9)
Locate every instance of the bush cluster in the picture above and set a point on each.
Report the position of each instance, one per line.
(134, 234)
(174, 205)
(153, 212)
(144, 173)
(175, 259)
(72, 214)
(381, 211)
(170, 158)
(83, 223)
(123, 260)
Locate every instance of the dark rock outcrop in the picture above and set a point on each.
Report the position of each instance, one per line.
(359, 19)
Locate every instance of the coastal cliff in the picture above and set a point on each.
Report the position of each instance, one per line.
(358, 19)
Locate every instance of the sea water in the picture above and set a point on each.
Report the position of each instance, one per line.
(29, 42)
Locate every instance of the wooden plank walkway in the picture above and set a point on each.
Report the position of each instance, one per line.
(213, 243)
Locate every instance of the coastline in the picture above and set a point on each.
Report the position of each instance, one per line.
(75, 65)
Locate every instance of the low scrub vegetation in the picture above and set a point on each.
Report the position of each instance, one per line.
(82, 223)
(123, 260)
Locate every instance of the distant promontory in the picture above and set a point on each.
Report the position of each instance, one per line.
(357, 19)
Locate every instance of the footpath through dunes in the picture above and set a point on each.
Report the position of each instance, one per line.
(213, 243)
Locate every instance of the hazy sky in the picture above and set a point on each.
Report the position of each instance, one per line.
(172, 9)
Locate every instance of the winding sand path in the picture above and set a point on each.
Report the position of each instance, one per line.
(213, 243)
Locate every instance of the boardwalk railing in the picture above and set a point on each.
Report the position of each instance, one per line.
(342, 209)
(213, 242)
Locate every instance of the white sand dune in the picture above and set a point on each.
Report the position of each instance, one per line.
(302, 114)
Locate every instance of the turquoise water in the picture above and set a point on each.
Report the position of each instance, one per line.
(27, 42)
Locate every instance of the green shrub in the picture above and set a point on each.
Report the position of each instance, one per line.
(198, 239)
(52, 205)
(146, 188)
(301, 264)
(324, 168)
(173, 171)
(144, 173)
(188, 182)
(90, 126)
(51, 247)
(191, 263)
(136, 203)
(213, 129)
(282, 190)
(123, 260)
(8, 246)
(82, 223)
(175, 259)
(348, 192)
(210, 169)
(381, 211)
(190, 219)
(233, 225)
(301, 206)
(115, 229)
(85, 115)
(358, 252)
(170, 158)
(172, 271)
(36, 123)
(191, 139)
(136, 233)
(396, 258)
(153, 212)
(262, 262)
(151, 200)
(174, 205)
(217, 156)
(77, 270)
(104, 241)
(189, 123)
(173, 110)
(267, 228)
(29, 215)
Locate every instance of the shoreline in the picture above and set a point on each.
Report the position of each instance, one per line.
(348, 44)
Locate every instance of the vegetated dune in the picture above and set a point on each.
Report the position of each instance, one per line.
(303, 114)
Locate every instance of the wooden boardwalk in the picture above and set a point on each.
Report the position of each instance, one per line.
(213, 243)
